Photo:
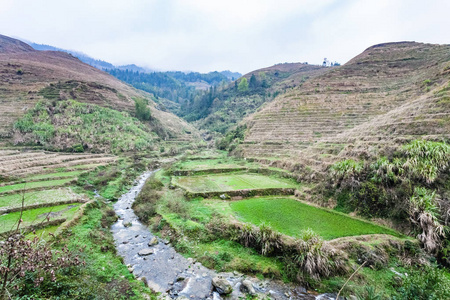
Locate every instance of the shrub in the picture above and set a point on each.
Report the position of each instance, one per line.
(426, 283)
(427, 159)
(346, 169)
(145, 204)
(370, 200)
(424, 213)
(179, 206)
(142, 109)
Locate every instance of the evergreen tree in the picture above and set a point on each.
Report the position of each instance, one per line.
(253, 82)
(243, 85)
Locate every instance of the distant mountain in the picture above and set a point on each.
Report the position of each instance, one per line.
(133, 68)
(231, 75)
(99, 64)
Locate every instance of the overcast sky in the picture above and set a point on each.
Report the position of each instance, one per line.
(237, 35)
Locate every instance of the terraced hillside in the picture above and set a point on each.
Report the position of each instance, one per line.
(389, 94)
(21, 165)
(222, 108)
(44, 181)
(27, 76)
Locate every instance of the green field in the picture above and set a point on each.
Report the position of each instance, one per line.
(32, 185)
(35, 216)
(291, 217)
(38, 197)
(230, 182)
(219, 163)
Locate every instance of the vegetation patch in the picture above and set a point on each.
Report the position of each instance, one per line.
(292, 217)
(78, 127)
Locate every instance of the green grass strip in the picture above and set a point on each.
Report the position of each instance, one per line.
(290, 217)
(38, 197)
(33, 185)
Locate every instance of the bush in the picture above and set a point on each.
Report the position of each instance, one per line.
(427, 159)
(370, 200)
(178, 206)
(142, 109)
(145, 204)
(427, 283)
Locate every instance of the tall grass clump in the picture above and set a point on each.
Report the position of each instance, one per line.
(306, 259)
(427, 159)
(424, 212)
(347, 169)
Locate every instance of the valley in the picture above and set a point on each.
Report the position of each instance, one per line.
(294, 181)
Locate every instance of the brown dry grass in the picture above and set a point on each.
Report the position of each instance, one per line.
(369, 106)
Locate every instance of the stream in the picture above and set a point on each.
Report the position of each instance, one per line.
(174, 276)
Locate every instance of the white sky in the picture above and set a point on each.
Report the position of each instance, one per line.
(237, 35)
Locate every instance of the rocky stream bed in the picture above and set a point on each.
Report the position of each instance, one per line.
(167, 272)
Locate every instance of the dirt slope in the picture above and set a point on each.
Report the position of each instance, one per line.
(27, 75)
(389, 94)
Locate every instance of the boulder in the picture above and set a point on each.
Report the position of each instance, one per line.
(153, 241)
(145, 252)
(222, 285)
(247, 287)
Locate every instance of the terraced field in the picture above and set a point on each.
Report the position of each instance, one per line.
(230, 182)
(284, 214)
(388, 95)
(35, 217)
(14, 163)
(42, 180)
(292, 217)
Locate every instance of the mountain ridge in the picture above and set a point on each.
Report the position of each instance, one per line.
(312, 123)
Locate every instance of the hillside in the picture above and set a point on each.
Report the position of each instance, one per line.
(222, 108)
(388, 95)
(27, 76)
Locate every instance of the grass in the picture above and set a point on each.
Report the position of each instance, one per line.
(36, 216)
(223, 255)
(32, 185)
(219, 163)
(104, 276)
(38, 197)
(53, 175)
(291, 217)
(230, 182)
(219, 254)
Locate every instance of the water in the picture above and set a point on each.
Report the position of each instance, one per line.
(173, 275)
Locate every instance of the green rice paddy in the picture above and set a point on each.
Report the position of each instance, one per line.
(291, 217)
(230, 182)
